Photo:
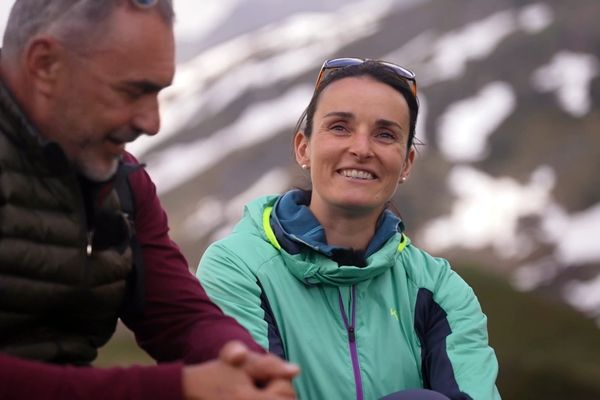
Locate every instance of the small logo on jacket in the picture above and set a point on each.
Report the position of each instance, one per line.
(394, 313)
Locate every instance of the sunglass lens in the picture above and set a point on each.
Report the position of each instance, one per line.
(342, 62)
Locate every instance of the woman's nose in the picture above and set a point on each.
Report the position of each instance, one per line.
(361, 146)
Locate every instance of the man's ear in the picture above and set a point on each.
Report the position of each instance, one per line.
(301, 149)
(44, 60)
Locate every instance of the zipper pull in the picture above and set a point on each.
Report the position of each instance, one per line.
(351, 334)
(90, 238)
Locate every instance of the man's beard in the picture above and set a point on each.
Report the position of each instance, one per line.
(90, 168)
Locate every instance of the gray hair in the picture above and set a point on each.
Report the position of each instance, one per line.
(78, 20)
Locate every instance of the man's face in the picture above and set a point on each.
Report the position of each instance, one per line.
(107, 96)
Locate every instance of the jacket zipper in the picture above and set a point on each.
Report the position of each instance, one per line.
(350, 328)
(90, 239)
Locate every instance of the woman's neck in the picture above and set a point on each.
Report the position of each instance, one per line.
(348, 230)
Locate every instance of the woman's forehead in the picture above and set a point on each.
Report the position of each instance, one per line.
(360, 93)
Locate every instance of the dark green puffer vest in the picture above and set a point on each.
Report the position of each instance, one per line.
(59, 296)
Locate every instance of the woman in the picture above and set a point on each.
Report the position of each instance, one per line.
(327, 279)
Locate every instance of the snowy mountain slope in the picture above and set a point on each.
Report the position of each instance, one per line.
(509, 93)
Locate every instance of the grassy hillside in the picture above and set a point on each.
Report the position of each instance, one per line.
(545, 349)
(122, 351)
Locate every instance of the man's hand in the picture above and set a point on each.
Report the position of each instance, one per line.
(261, 368)
(240, 374)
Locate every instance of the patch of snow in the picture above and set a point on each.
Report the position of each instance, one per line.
(294, 46)
(585, 296)
(534, 18)
(487, 210)
(569, 76)
(476, 41)
(178, 163)
(464, 127)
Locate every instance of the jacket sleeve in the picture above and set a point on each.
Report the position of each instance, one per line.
(22, 379)
(230, 283)
(179, 321)
(456, 357)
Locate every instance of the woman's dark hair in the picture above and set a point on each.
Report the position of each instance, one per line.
(375, 70)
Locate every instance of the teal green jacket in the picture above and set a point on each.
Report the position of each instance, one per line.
(405, 320)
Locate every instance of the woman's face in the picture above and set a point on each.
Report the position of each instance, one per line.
(357, 153)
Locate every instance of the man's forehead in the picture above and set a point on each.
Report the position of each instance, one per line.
(137, 46)
(136, 28)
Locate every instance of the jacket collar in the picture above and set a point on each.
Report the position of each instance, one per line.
(307, 255)
(294, 222)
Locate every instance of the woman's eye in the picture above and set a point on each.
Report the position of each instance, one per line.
(386, 136)
(338, 128)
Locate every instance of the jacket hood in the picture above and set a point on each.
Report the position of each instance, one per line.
(306, 263)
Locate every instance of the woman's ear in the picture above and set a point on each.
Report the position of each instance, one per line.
(302, 149)
(408, 162)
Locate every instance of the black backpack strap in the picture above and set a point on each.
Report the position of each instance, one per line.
(133, 302)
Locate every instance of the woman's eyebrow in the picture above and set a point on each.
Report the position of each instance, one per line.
(341, 114)
(388, 123)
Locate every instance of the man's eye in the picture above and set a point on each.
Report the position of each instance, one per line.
(130, 93)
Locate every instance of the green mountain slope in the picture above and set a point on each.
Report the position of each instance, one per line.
(545, 349)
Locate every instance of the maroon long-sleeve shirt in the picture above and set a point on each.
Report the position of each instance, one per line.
(179, 325)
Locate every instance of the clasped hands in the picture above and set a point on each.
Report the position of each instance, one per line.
(240, 373)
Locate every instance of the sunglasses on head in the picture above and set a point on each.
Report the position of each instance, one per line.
(145, 3)
(335, 64)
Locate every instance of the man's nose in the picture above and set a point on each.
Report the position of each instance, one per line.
(147, 117)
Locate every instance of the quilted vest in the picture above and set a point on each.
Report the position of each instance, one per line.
(60, 293)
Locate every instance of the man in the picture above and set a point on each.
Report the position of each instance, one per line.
(78, 80)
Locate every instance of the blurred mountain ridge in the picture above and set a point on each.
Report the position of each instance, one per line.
(505, 186)
(509, 95)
